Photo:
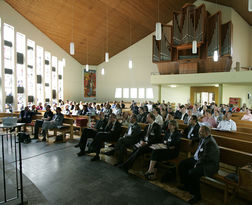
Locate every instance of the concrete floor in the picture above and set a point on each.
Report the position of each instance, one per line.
(53, 174)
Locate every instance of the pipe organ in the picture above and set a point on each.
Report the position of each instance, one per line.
(194, 24)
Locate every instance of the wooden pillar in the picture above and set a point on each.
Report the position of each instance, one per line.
(220, 96)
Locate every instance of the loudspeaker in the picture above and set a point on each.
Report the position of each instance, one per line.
(53, 69)
(60, 77)
(30, 66)
(54, 94)
(47, 84)
(47, 100)
(30, 99)
(39, 79)
(20, 58)
(29, 48)
(8, 71)
(7, 43)
(9, 99)
(20, 89)
(47, 62)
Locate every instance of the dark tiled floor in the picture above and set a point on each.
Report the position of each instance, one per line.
(54, 175)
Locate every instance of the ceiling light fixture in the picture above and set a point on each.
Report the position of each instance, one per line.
(107, 53)
(87, 67)
(72, 43)
(130, 65)
(173, 86)
(102, 71)
(158, 27)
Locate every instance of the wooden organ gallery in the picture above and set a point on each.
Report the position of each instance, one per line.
(173, 53)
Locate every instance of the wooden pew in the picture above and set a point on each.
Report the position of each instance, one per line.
(234, 158)
(234, 135)
(236, 144)
(66, 128)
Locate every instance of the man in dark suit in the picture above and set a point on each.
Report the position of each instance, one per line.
(152, 135)
(130, 138)
(192, 131)
(91, 133)
(24, 117)
(204, 163)
(48, 115)
(141, 117)
(111, 133)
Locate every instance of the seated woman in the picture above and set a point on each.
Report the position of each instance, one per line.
(247, 116)
(172, 140)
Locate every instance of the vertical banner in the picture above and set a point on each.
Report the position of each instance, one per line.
(90, 84)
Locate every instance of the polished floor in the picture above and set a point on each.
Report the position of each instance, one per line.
(53, 174)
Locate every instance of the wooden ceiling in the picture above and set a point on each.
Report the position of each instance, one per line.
(97, 25)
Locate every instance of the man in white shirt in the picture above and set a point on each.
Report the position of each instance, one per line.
(227, 124)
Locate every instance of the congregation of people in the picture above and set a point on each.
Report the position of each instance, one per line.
(162, 127)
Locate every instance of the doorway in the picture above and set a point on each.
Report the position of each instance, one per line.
(203, 94)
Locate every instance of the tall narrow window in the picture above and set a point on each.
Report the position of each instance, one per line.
(20, 71)
(60, 79)
(54, 78)
(125, 92)
(47, 77)
(31, 71)
(118, 93)
(149, 93)
(133, 92)
(9, 67)
(141, 93)
(1, 90)
(40, 72)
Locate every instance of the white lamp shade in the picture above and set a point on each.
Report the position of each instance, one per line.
(130, 64)
(194, 47)
(87, 67)
(215, 56)
(158, 31)
(106, 57)
(72, 48)
(102, 71)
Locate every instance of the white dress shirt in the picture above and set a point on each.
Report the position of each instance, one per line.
(159, 120)
(228, 125)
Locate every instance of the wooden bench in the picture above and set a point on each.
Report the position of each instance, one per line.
(233, 158)
(237, 144)
(32, 123)
(234, 135)
(67, 127)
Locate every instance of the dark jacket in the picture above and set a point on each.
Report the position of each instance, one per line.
(101, 124)
(194, 136)
(58, 118)
(154, 135)
(113, 131)
(48, 114)
(135, 132)
(173, 140)
(209, 156)
(26, 116)
(142, 117)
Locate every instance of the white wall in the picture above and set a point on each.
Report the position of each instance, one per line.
(240, 91)
(118, 75)
(72, 77)
(241, 32)
(176, 95)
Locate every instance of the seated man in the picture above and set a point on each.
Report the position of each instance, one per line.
(130, 138)
(24, 117)
(172, 141)
(192, 131)
(152, 135)
(111, 133)
(48, 115)
(204, 163)
(209, 119)
(91, 133)
(227, 124)
(56, 122)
